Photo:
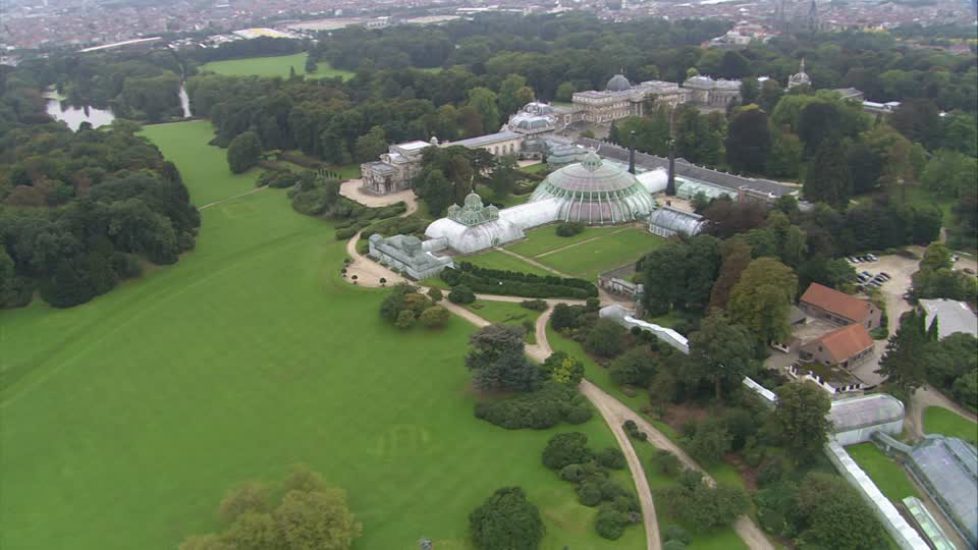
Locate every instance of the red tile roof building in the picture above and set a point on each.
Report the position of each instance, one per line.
(839, 308)
(845, 347)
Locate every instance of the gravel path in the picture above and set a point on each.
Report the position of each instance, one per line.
(368, 272)
(928, 397)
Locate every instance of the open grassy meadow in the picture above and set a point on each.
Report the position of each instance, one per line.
(124, 421)
(938, 420)
(274, 66)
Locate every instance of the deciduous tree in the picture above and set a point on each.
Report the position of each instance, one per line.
(801, 417)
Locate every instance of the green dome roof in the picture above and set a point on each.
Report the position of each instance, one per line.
(596, 193)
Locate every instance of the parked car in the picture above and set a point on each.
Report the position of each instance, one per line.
(879, 280)
(955, 258)
(862, 278)
(872, 258)
(969, 271)
(866, 273)
(885, 275)
(853, 260)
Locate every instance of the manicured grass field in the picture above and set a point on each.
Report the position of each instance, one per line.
(611, 250)
(938, 420)
(543, 240)
(270, 67)
(889, 476)
(495, 259)
(133, 414)
(589, 253)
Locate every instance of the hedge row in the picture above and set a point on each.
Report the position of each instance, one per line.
(494, 281)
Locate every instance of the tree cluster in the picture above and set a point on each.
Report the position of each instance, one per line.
(700, 506)
(404, 306)
(81, 211)
(303, 512)
(569, 455)
(498, 362)
(817, 510)
(915, 356)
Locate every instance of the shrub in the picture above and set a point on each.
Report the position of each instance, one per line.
(572, 473)
(666, 463)
(605, 339)
(563, 369)
(564, 449)
(434, 317)
(461, 294)
(710, 442)
(569, 229)
(405, 319)
(611, 458)
(435, 294)
(611, 522)
(676, 533)
(534, 305)
(538, 410)
(632, 430)
(635, 367)
(506, 521)
(704, 508)
(589, 493)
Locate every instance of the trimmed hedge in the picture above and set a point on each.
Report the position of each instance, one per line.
(514, 283)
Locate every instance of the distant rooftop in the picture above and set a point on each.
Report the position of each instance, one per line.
(951, 316)
(488, 139)
(688, 170)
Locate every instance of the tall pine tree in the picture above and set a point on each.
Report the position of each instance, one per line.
(828, 179)
(903, 364)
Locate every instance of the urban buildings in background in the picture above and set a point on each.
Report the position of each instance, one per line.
(33, 24)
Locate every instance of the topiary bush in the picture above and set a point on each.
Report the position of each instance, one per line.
(569, 229)
(461, 294)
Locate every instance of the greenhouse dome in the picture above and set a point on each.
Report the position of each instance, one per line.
(594, 192)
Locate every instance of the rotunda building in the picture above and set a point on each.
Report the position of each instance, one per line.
(594, 192)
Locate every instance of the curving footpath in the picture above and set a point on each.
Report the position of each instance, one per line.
(613, 411)
(616, 413)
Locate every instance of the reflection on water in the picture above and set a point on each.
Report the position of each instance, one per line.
(75, 116)
(185, 101)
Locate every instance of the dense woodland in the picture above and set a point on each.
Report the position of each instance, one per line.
(81, 211)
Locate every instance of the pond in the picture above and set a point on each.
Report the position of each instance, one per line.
(75, 116)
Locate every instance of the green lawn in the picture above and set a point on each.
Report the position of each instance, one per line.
(589, 253)
(129, 417)
(270, 67)
(495, 259)
(938, 420)
(545, 239)
(611, 250)
(889, 476)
